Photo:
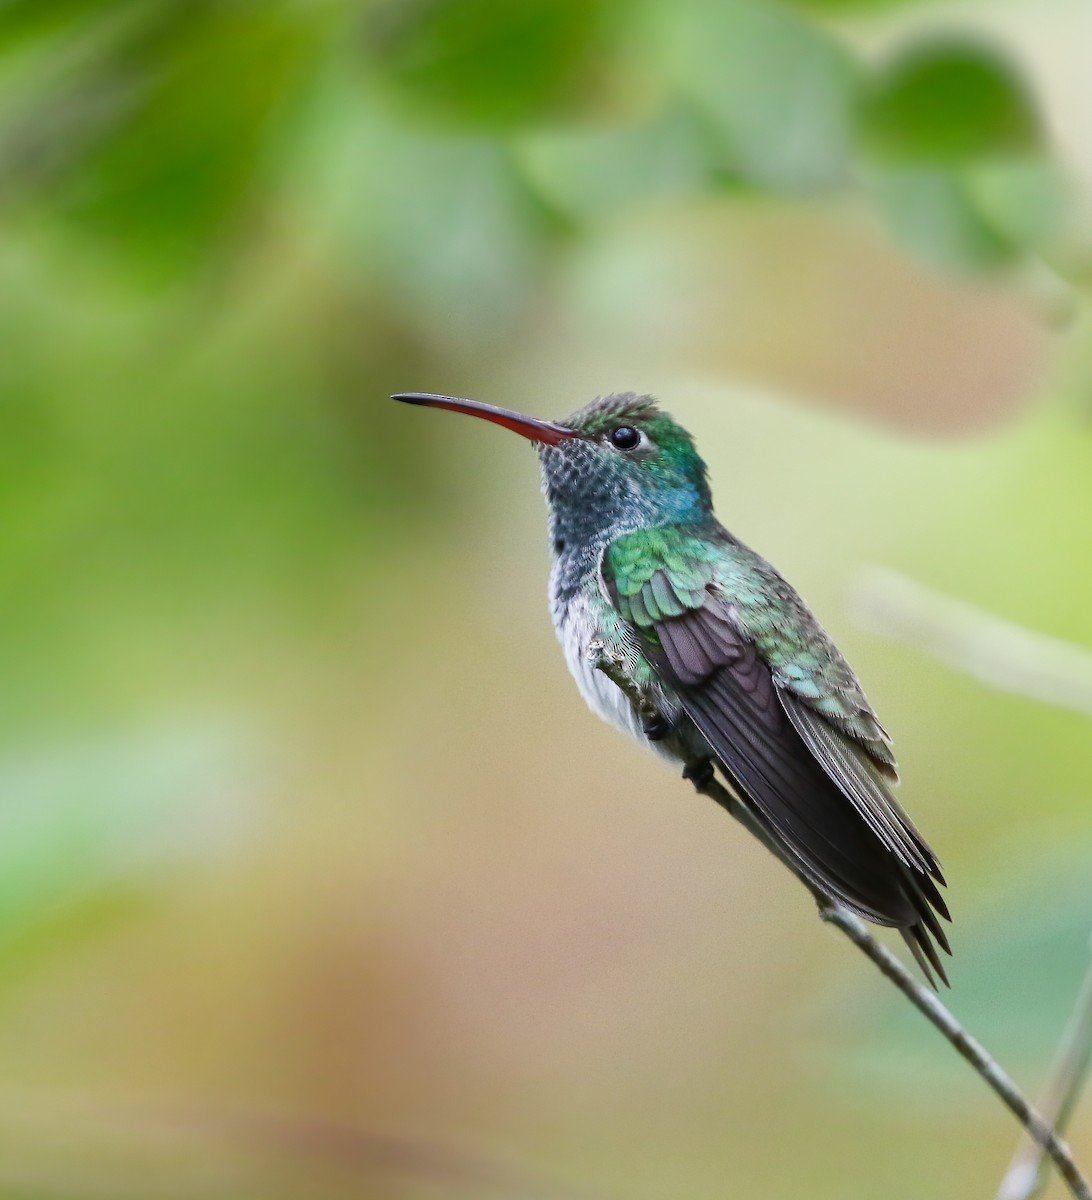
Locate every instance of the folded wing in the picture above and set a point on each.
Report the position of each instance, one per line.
(820, 792)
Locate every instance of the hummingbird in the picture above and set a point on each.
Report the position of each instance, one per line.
(716, 663)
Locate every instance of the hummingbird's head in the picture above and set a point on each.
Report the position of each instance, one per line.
(620, 462)
(628, 459)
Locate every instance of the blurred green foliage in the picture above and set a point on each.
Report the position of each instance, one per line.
(169, 128)
(481, 65)
(949, 102)
(283, 819)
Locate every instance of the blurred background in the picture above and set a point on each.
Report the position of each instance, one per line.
(316, 879)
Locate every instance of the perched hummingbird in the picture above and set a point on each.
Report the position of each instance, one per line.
(716, 662)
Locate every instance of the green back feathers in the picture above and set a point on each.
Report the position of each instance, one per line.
(659, 574)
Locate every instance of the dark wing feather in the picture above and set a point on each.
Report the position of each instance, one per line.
(809, 785)
(863, 783)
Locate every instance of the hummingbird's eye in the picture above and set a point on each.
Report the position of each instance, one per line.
(625, 437)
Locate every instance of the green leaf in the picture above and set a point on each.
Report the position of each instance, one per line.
(468, 201)
(933, 213)
(948, 101)
(163, 141)
(590, 172)
(1026, 201)
(479, 63)
(779, 92)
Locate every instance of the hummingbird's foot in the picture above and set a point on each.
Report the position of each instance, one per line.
(699, 773)
(656, 727)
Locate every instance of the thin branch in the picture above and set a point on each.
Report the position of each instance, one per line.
(834, 914)
(966, 1046)
(930, 1006)
(1027, 1175)
(995, 652)
(1020, 661)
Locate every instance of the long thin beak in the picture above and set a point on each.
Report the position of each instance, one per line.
(529, 427)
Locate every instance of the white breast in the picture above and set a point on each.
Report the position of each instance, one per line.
(577, 626)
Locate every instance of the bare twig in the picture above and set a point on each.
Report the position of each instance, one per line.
(968, 1047)
(930, 1006)
(923, 1000)
(995, 652)
(1026, 1177)
(1012, 659)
